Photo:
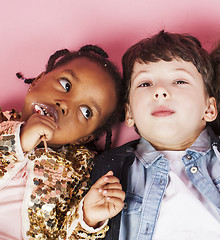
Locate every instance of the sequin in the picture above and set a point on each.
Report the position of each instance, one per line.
(59, 184)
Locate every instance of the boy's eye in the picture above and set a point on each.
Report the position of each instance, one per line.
(180, 82)
(86, 111)
(145, 84)
(65, 84)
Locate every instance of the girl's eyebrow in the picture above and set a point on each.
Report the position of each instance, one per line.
(71, 72)
(74, 76)
(96, 106)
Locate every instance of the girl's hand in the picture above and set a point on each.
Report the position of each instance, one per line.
(104, 200)
(36, 127)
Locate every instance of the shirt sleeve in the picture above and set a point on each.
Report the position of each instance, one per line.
(12, 158)
(80, 230)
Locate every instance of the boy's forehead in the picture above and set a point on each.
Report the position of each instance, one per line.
(175, 65)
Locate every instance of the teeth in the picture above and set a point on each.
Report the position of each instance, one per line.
(45, 110)
(39, 110)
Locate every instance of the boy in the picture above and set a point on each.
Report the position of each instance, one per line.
(171, 175)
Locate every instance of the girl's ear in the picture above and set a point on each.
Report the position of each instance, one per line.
(84, 140)
(129, 121)
(36, 79)
(211, 112)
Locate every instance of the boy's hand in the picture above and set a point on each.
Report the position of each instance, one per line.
(104, 200)
(36, 127)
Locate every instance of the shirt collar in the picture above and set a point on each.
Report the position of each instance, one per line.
(147, 154)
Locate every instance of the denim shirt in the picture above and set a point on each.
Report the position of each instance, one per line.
(148, 179)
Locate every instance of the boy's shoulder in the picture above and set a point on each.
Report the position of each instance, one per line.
(126, 149)
(114, 159)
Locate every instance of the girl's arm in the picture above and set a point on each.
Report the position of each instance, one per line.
(57, 182)
(103, 201)
(11, 155)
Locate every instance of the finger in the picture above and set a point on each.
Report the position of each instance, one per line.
(109, 173)
(114, 185)
(43, 119)
(102, 180)
(115, 193)
(47, 121)
(111, 179)
(118, 203)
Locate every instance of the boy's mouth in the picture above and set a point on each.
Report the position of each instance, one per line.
(162, 112)
(45, 110)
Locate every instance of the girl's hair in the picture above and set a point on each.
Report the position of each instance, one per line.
(167, 46)
(99, 56)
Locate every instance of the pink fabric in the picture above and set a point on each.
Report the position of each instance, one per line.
(11, 198)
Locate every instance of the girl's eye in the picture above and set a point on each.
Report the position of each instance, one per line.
(145, 84)
(180, 82)
(65, 84)
(86, 111)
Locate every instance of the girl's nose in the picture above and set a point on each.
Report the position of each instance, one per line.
(161, 93)
(63, 106)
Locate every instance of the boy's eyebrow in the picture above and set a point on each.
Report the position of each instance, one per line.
(138, 73)
(184, 70)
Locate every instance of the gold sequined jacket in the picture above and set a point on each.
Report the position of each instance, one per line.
(57, 182)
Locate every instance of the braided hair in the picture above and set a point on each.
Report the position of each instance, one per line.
(100, 57)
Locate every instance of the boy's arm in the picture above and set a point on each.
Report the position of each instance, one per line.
(11, 154)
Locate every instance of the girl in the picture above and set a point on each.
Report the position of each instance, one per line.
(71, 103)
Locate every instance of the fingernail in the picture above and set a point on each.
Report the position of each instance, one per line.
(100, 189)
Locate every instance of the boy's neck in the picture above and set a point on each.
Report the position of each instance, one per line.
(175, 147)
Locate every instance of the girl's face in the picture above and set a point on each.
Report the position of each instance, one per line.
(79, 95)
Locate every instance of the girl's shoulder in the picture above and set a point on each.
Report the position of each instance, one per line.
(12, 115)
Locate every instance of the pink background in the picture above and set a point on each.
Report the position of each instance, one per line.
(31, 30)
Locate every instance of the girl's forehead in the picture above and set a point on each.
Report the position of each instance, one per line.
(82, 64)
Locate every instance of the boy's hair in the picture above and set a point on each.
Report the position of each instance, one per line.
(99, 56)
(167, 46)
(215, 57)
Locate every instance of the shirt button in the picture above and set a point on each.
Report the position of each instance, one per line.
(188, 157)
(125, 205)
(193, 169)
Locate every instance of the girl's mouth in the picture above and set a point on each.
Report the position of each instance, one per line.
(45, 110)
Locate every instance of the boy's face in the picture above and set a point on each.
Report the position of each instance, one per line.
(168, 104)
(79, 95)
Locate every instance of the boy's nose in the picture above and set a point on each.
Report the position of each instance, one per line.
(161, 93)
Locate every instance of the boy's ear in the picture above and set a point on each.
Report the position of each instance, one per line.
(36, 79)
(128, 116)
(211, 112)
(85, 139)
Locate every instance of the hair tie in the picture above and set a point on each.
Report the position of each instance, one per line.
(20, 76)
(26, 80)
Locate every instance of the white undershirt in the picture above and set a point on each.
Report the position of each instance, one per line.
(11, 198)
(185, 214)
